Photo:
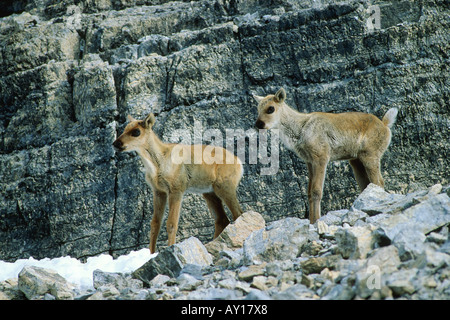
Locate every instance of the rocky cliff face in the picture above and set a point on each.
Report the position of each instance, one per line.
(71, 71)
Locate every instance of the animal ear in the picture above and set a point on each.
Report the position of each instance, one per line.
(280, 96)
(149, 121)
(257, 98)
(130, 118)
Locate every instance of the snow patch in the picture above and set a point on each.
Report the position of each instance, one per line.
(77, 272)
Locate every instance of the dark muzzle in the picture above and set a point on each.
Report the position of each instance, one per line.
(260, 124)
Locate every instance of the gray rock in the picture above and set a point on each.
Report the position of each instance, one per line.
(373, 275)
(9, 290)
(316, 265)
(296, 292)
(233, 236)
(173, 259)
(256, 294)
(118, 280)
(159, 280)
(374, 200)
(339, 292)
(194, 270)
(407, 229)
(402, 282)
(186, 282)
(280, 240)
(35, 282)
(356, 242)
(213, 294)
(106, 292)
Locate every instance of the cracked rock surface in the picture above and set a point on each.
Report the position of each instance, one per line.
(71, 71)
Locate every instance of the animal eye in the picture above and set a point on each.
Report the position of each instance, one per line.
(270, 110)
(136, 133)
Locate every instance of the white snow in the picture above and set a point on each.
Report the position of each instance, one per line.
(77, 272)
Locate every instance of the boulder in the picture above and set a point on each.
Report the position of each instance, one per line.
(279, 240)
(356, 242)
(407, 230)
(35, 282)
(233, 236)
(170, 261)
(374, 200)
(316, 265)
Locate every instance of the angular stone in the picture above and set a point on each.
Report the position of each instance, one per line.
(159, 280)
(296, 292)
(187, 282)
(372, 276)
(355, 242)
(259, 282)
(192, 251)
(280, 240)
(233, 236)
(35, 282)
(402, 282)
(115, 279)
(334, 217)
(256, 294)
(316, 265)
(252, 271)
(407, 229)
(374, 200)
(171, 260)
(9, 289)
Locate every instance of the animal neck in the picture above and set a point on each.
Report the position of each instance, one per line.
(152, 153)
(291, 119)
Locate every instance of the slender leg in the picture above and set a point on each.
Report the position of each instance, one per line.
(174, 215)
(316, 187)
(217, 211)
(310, 178)
(360, 174)
(372, 166)
(159, 204)
(227, 193)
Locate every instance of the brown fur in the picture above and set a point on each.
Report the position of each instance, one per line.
(170, 179)
(320, 137)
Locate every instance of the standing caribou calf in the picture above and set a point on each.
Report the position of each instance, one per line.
(319, 137)
(173, 169)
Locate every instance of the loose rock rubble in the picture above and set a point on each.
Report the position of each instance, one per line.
(386, 246)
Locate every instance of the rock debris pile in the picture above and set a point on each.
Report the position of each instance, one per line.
(386, 246)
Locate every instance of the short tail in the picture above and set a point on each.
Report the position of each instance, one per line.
(389, 117)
